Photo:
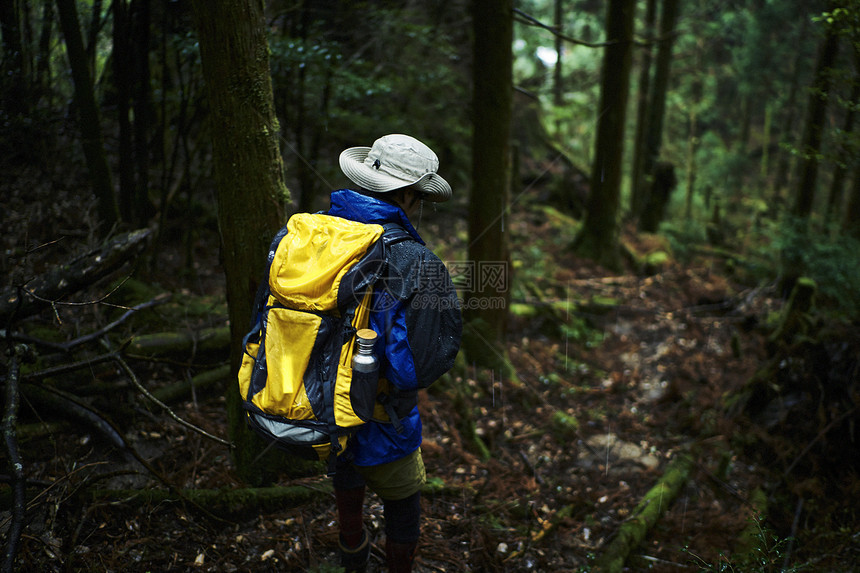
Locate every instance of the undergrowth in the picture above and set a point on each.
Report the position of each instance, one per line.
(769, 554)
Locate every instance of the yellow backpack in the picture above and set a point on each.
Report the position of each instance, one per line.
(296, 375)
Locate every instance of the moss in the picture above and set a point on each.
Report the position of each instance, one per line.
(564, 426)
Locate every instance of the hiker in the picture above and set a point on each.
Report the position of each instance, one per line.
(416, 315)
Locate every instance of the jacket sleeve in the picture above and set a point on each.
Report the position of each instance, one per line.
(424, 322)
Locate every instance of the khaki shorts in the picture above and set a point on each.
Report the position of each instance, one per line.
(398, 479)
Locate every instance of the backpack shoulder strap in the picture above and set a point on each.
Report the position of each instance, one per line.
(394, 233)
(263, 289)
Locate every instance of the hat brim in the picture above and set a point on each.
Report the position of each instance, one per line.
(353, 166)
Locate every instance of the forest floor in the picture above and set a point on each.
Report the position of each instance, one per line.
(618, 374)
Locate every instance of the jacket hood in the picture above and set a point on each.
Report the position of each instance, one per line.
(361, 208)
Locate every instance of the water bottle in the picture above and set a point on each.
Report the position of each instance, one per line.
(365, 374)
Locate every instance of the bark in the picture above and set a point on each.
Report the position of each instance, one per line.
(657, 102)
(142, 101)
(557, 83)
(89, 119)
(645, 516)
(248, 172)
(636, 179)
(491, 172)
(804, 193)
(46, 290)
(123, 79)
(182, 344)
(598, 237)
(851, 221)
(42, 79)
(844, 154)
(662, 186)
(789, 114)
(693, 134)
(14, 79)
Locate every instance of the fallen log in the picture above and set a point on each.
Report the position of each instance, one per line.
(47, 289)
(165, 344)
(646, 514)
(203, 382)
(223, 503)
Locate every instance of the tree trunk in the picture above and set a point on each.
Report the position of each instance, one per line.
(88, 116)
(249, 177)
(693, 134)
(122, 77)
(657, 103)
(142, 101)
(598, 238)
(636, 178)
(14, 79)
(557, 83)
(42, 78)
(93, 32)
(784, 164)
(804, 194)
(851, 221)
(491, 166)
(844, 154)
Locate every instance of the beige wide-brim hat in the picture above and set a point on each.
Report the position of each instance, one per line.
(396, 161)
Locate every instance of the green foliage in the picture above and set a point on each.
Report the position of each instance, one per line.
(831, 262)
(393, 70)
(767, 555)
(684, 236)
(579, 330)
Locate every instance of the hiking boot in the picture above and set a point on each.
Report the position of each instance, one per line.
(354, 559)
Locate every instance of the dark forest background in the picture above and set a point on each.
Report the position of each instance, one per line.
(672, 188)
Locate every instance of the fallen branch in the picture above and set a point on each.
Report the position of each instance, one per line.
(165, 407)
(69, 406)
(646, 514)
(47, 289)
(16, 468)
(221, 502)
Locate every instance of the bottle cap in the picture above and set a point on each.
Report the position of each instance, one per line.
(367, 334)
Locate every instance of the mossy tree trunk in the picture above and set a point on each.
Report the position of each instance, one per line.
(89, 119)
(657, 103)
(248, 170)
(598, 238)
(846, 147)
(636, 178)
(851, 220)
(813, 128)
(487, 301)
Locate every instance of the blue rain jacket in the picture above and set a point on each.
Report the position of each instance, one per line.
(417, 314)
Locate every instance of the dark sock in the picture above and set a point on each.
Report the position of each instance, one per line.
(402, 518)
(350, 515)
(402, 530)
